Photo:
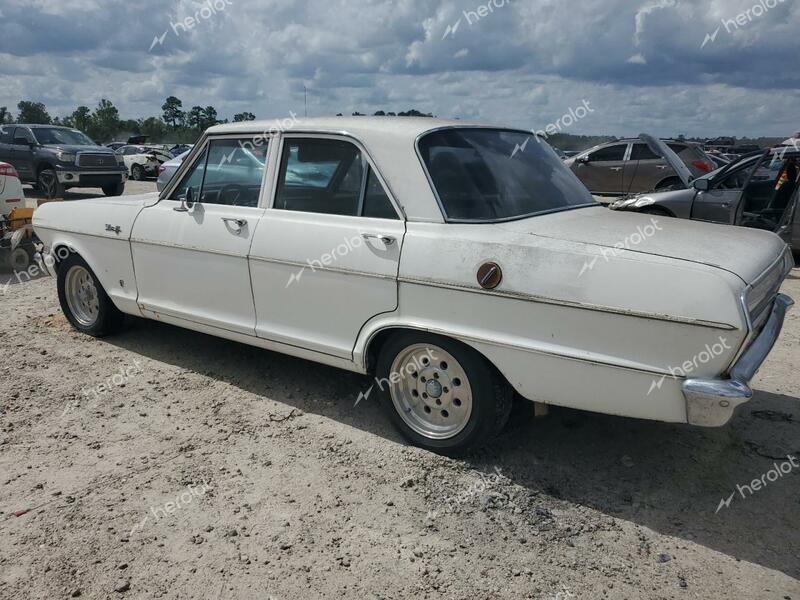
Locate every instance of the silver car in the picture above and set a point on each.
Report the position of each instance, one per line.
(759, 190)
(168, 169)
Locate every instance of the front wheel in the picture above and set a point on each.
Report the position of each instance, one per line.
(84, 301)
(49, 184)
(440, 394)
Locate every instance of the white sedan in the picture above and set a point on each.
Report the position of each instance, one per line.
(11, 194)
(143, 161)
(458, 264)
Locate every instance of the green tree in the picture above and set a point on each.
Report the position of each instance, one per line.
(80, 119)
(173, 115)
(243, 116)
(209, 117)
(194, 118)
(33, 112)
(105, 121)
(5, 116)
(154, 128)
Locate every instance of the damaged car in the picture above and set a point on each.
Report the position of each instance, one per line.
(143, 161)
(759, 191)
(462, 266)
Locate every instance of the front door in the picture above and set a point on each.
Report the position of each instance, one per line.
(769, 199)
(21, 155)
(602, 170)
(190, 250)
(326, 255)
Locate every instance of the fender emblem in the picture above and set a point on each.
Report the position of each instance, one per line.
(114, 229)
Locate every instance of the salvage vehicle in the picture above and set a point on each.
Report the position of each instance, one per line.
(16, 233)
(11, 193)
(55, 159)
(168, 169)
(629, 166)
(759, 191)
(143, 161)
(458, 264)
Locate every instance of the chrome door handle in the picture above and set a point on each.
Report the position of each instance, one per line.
(616, 168)
(239, 224)
(386, 239)
(662, 167)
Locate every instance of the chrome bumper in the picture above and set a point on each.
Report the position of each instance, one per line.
(712, 402)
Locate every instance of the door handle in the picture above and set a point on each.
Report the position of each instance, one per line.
(238, 224)
(662, 167)
(616, 168)
(386, 239)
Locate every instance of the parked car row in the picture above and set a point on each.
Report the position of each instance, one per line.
(372, 244)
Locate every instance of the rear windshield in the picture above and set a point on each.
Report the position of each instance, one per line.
(489, 175)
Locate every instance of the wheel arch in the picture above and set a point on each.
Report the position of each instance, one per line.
(672, 178)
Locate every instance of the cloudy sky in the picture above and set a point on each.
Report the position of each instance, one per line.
(640, 64)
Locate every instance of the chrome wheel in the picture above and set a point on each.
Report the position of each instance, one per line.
(48, 183)
(430, 391)
(81, 295)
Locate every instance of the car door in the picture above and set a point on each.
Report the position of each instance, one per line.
(6, 138)
(326, 255)
(719, 203)
(601, 170)
(21, 155)
(769, 199)
(644, 169)
(190, 249)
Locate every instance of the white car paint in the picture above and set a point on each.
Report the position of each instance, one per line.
(149, 160)
(561, 333)
(11, 194)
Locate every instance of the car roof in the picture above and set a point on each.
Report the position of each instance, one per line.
(41, 125)
(389, 141)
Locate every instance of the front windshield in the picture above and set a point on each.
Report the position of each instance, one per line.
(488, 175)
(68, 137)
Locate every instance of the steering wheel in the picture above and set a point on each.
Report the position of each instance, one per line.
(231, 188)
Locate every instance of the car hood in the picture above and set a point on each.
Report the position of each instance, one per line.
(664, 151)
(78, 148)
(746, 253)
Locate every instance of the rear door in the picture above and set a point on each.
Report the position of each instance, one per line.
(601, 171)
(644, 170)
(21, 155)
(326, 255)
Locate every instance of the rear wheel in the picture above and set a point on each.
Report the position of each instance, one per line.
(83, 300)
(19, 259)
(114, 190)
(137, 172)
(440, 394)
(49, 184)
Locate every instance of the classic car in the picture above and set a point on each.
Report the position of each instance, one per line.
(143, 161)
(759, 191)
(629, 166)
(461, 265)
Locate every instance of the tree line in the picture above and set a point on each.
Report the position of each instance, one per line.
(104, 124)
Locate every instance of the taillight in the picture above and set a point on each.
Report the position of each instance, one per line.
(703, 166)
(8, 171)
(161, 169)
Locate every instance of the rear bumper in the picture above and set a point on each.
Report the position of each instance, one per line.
(712, 402)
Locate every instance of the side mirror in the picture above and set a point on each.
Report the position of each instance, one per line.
(187, 201)
(583, 159)
(701, 185)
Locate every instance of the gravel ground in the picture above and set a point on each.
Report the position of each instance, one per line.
(162, 463)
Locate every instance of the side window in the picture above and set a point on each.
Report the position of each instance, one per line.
(23, 132)
(6, 134)
(193, 179)
(234, 172)
(376, 202)
(643, 152)
(320, 176)
(680, 149)
(609, 153)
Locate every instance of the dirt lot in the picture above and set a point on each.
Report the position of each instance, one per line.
(167, 464)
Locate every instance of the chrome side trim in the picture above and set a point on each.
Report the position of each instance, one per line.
(77, 232)
(712, 402)
(291, 263)
(571, 304)
(189, 248)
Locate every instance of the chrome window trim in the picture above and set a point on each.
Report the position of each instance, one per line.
(344, 137)
(435, 192)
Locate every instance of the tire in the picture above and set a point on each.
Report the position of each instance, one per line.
(19, 260)
(671, 183)
(84, 301)
(48, 184)
(473, 401)
(137, 172)
(116, 189)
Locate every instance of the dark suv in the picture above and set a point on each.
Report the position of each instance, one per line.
(57, 158)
